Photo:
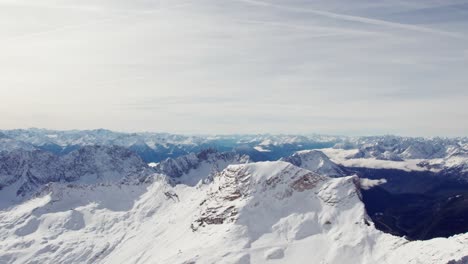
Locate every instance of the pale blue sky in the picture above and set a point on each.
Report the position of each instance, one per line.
(236, 66)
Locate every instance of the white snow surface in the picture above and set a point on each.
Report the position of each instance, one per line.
(402, 148)
(266, 212)
(316, 161)
(345, 157)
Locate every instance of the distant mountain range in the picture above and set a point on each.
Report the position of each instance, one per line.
(154, 147)
(107, 197)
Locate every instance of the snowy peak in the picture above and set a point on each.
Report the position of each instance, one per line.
(315, 161)
(28, 168)
(192, 168)
(268, 212)
(401, 148)
(262, 185)
(87, 165)
(276, 205)
(92, 164)
(262, 177)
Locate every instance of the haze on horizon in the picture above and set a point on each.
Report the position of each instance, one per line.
(236, 66)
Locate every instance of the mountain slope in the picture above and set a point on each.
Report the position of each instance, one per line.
(269, 212)
(192, 168)
(403, 148)
(28, 170)
(315, 161)
(7, 144)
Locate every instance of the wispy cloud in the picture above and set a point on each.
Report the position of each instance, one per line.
(109, 17)
(360, 19)
(235, 66)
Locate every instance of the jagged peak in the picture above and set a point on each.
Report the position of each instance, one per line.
(178, 167)
(89, 164)
(241, 193)
(259, 176)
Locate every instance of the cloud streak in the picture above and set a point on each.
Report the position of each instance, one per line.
(232, 67)
(359, 19)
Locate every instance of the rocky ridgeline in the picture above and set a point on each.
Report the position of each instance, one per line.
(88, 165)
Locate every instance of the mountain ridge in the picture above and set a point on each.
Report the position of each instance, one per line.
(249, 213)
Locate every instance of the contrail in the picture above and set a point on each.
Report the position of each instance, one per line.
(331, 31)
(370, 21)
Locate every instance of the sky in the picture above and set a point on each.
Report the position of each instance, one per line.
(361, 67)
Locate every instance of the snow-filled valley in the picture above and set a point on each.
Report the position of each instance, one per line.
(104, 204)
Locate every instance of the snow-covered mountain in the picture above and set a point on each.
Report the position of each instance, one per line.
(402, 148)
(27, 170)
(267, 212)
(91, 197)
(40, 137)
(8, 144)
(316, 161)
(192, 168)
(155, 147)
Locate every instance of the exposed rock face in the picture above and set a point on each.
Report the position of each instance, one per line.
(463, 260)
(306, 182)
(248, 213)
(90, 164)
(240, 184)
(96, 207)
(192, 168)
